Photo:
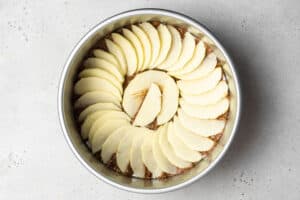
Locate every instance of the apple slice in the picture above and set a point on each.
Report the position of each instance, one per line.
(168, 151)
(204, 127)
(97, 107)
(162, 162)
(105, 65)
(104, 119)
(104, 130)
(207, 40)
(88, 122)
(132, 101)
(181, 149)
(202, 85)
(187, 51)
(128, 52)
(100, 53)
(193, 141)
(149, 108)
(145, 41)
(210, 97)
(124, 148)
(148, 157)
(219, 53)
(154, 40)
(114, 49)
(90, 98)
(136, 161)
(174, 51)
(100, 73)
(142, 82)
(90, 119)
(137, 46)
(212, 111)
(194, 62)
(206, 67)
(165, 43)
(110, 146)
(90, 84)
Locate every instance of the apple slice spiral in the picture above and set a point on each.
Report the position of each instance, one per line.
(152, 99)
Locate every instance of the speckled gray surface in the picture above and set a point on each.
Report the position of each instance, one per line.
(264, 40)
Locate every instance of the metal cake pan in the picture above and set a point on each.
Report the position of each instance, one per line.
(68, 124)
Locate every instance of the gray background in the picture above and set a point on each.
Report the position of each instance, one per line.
(264, 40)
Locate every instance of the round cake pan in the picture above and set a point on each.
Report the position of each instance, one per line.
(68, 123)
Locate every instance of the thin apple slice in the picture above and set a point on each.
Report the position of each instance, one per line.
(212, 111)
(162, 162)
(137, 46)
(128, 52)
(168, 151)
(104, 130)
(210, 97)
(110, 146)
(154, 40)
(202, 85)
(180, 148)
(145, 41)
(207, 40)
(124, 148)
(174, 51)
(142, 82)
(88, 122)
(90, 84)
(114, 49)
(105, 119)
(100, 73)
(100, 53)
(136, 161)
(165, 43)
(148, 157)
(192, 140)
(204, 127)
(97, 107)
(96, 97)
(105, 65)
(187, 51)
(149, 108)
(132, 101)
(90, 119)
(194, 62)
(219, 53)
(206, 67)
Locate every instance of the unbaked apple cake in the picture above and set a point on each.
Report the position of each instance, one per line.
(152, 100)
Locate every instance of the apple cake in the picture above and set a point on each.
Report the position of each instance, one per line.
(151, 99)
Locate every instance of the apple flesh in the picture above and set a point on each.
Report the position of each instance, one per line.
(146, 44)
(128, 52)
(201, 85)
(159, 156)
(174, 51)
(110, 146)
(187, 51)
(154, 40)
(142, 82)
(204, 127)
(148, 157)
(165, 43)
(181, 149)
(136, 161)
(150, 107)
(210, 97)
(168, 150)
(191, 139)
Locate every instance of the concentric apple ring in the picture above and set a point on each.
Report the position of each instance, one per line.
(154, 101)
